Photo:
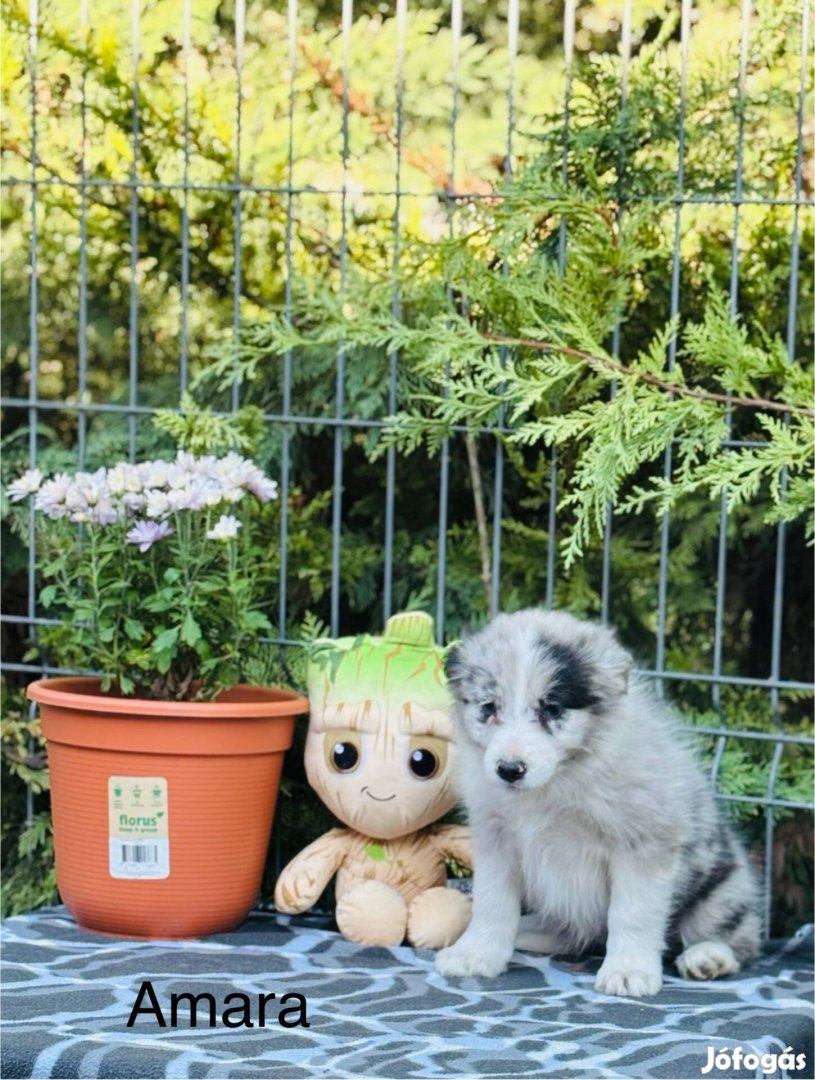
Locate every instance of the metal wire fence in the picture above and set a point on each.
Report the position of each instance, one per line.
(292, 423)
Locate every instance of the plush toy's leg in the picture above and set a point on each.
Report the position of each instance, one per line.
(372, 913)
(438, 917)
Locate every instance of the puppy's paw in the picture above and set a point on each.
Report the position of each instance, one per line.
(629, 979)
(707, 960)
(461, 959)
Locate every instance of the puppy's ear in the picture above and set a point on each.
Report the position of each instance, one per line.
(611, 663)
(453, 666)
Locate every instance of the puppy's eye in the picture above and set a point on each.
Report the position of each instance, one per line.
(487, 711)
(548, 711)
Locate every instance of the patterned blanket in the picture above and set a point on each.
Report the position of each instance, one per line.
(371, 1012)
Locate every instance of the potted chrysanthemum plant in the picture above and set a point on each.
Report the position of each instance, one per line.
(164, 766)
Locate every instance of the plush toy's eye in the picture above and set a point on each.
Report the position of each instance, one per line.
(344, 756)
(427, 756)
(342, 751)
(487, 711)
(423, 763)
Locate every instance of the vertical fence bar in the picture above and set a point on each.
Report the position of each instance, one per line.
(393, 358)
(133, 372)
(551, 525)
(676, 266)
(456, 22)
(285, 450)
(240, 38)
(625, 44)
(33, 353)
(336, 516)
(285, 461)
(746, 12)
(186, 50)
(721, 562)
(781, 535)
(569, 31)
(513, 22)
(82, 419)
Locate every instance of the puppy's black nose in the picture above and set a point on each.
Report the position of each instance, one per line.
(511, 771)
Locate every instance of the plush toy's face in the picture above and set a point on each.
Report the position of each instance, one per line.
(379, 749)
(383, 769)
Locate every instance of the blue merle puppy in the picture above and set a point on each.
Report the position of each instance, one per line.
(589, 812)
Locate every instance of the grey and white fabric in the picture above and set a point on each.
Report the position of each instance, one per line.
(374, 1012)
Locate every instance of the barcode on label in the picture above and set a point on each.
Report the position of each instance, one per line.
(139, 853)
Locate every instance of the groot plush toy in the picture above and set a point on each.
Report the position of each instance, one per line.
(378, 753)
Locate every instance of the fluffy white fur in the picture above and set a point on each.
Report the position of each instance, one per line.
(589, 812)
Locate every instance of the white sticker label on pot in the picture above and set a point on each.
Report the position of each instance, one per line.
(139, 838)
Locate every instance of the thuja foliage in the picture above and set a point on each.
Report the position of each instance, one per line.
(501, 337)
(510, 321)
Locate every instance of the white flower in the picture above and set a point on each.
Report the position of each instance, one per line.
(176, 476)
(192, 465)
(50, 499)
(124, 478)
(88, 499)
(154, 489)
(158, 504)
(146, 533)
(212, 492)
(185, 460)
(177, 498)
(87, 490)
(75, 502)
(117, 480)
(133, 500)
(237, 471)
(225, 528)
(262, 486)
(104, 512)
(189, 498)
(155, 473)
(26, 485)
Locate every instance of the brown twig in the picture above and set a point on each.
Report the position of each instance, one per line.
(480, 516)
(430, 162)
(761, 404)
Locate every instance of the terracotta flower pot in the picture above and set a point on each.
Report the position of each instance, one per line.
(162, 810)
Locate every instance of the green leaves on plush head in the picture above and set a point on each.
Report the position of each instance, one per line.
(379, 748)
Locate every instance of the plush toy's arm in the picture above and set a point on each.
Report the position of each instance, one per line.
(302, 882)
(453, 842)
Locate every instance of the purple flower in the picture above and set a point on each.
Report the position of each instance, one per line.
(146, 533)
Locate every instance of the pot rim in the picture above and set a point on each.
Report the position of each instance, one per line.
(244, 701)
